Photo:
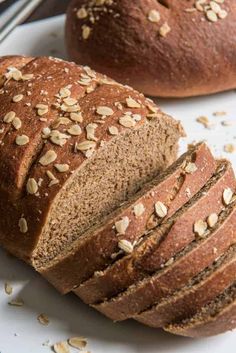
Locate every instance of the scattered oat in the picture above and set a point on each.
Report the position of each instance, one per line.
(62, 168)
(17, 123)
(104, 111)
(132, 103)
(220, 113)
(86, 145)
(8, 288)
(190, 168)
(113, 130)
(78, 342)
(23, 225)
(8, 118)
(32, 186)
(212, 220)
(77, 117)
(74, 130)
(126, 246)
(127, 121)
(82, 13)
(61, 347)
(227, 196)
(164, 30)
(22, 140)
(16, 302)
(17, 98)
(200, 227)
(139, 209)
(86, 31)
(49, 157)
(154, 16)
(160, 209)
(122, 225)
(229, 148)
(90, 130)
(43, 319)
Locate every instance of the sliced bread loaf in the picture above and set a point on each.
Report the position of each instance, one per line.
(199, 292)
(162, 243)
(217, 317)
(177, 273)
(125, 226)
(77, 145)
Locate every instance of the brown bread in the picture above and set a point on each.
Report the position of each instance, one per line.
(217, 317)
(199, 292)
(62, 126)
(162, 243)
(173, 188)
(200, 254)
(163, 48)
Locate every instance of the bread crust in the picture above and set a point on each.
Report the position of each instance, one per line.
(189, 300)
(164, 283)
(38, 81)
(79, 264)
(224, 320)
(160, 246)
(194, 58)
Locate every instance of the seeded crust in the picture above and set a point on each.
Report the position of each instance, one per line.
(213, 319)
(199, 292)
(163, 243)
(182, 52)
(200, 254)
(173, 188)
(42, 151)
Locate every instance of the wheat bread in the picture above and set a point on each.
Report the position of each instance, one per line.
(199, 292)
(215, 318)
(173, 188)
(163, 48)
(71, 131)
(162, 243)
(176, 274)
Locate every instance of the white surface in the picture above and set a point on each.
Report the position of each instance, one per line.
(19, 330)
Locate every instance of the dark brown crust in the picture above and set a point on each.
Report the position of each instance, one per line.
(80, 263)
(224, 321)
(156, 250)
(18, 163)
(188, 301)
(164, 283)
(194, 58)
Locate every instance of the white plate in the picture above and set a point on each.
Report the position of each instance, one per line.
(19, 330)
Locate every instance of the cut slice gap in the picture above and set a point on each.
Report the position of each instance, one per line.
(170, 188)
(198, 292)
(131, 268)
(176, 275)
(217, 317)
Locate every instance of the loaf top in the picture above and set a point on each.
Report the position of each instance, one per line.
(54, 115)
(164, 48)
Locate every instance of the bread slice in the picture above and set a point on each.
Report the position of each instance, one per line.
(173, 188)
(81, 145)
(217, 317)
(176, 274)
(162, 243)
(199, 292)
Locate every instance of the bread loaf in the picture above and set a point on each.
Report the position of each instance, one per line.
(137, 216)
(158, 247)
(167, 48)
(74, 145)
(176, 274)
(215, 318)
(198, 293)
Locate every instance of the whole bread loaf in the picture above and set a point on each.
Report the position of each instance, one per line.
(168, 48)
(74, 145)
